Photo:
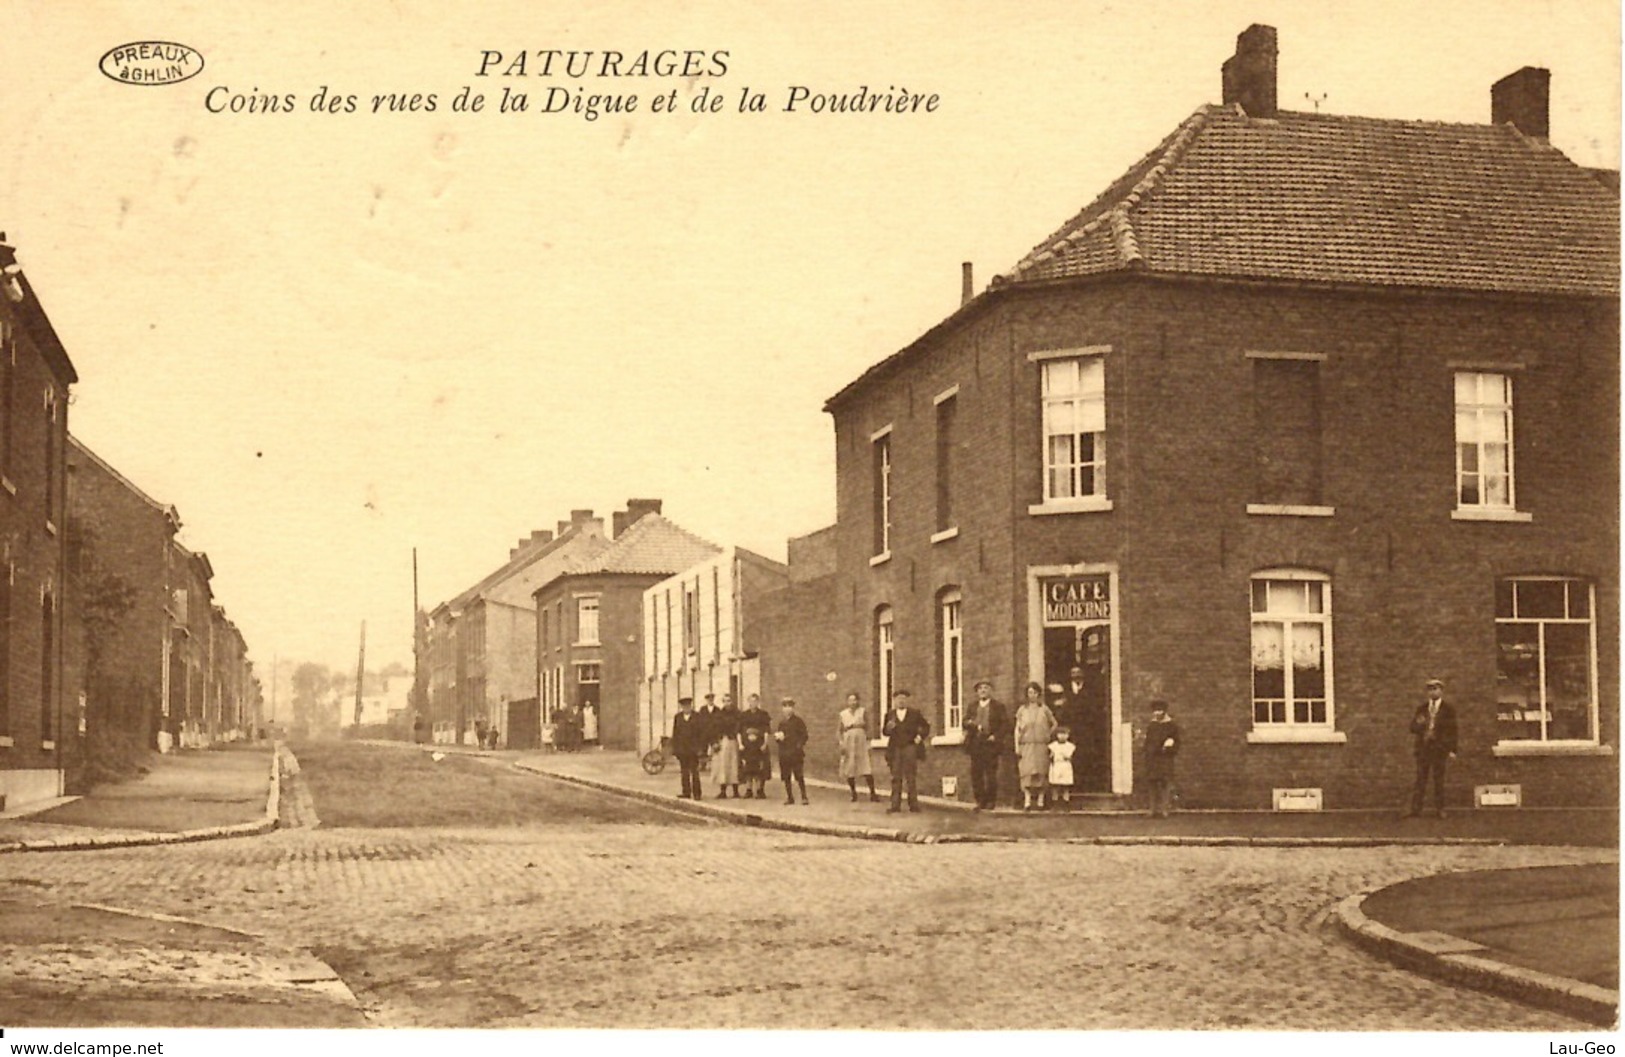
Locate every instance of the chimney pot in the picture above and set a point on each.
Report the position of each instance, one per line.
(967, 286)
(1523, 99)
(1249, 75)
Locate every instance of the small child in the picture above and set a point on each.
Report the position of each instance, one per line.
(1061, 749)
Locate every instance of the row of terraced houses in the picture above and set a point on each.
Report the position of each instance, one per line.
(112, 641)
(1301, 411)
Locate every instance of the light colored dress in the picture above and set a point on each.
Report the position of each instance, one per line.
(1060, 762)
(855, 744)
(1034, 726)
(725, 764)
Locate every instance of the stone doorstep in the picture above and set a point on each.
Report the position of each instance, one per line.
(1442, 943)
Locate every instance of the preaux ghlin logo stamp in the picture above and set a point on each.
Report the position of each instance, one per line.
(152, 62)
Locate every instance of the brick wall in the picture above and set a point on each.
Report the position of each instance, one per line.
(1413, 589)
(117, 543)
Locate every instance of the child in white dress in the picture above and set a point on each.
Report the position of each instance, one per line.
(1060, 766)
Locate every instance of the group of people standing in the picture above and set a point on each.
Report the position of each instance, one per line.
(738, 745)
(737, 742)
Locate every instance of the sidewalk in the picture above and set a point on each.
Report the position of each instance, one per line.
(186, 795)
(1547, 936)
(831, 810)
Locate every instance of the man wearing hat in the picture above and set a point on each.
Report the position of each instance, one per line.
(906, 732)
(688, 742)
(1434, 730)
(985, 730)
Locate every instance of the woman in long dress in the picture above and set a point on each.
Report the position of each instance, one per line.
(1034, 725)
(725, 759)
(854, 740)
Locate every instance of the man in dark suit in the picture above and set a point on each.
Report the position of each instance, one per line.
(1434, 729)
(986, 729)
(906, 732)
(688, 742)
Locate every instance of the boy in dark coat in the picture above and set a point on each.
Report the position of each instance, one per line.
(792, 738)
(1161, 745)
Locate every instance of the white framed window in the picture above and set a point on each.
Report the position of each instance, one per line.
(588, 672)
(882, 488)
(1074, 426)
(885, 658)
(1292, 650)
(952, 651)
(587, 620)
(1484, 456)
(1546, 660)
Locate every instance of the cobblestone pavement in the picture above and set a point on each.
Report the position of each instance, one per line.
(712, 926)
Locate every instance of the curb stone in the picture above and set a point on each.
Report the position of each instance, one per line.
(702, 809)
(1575, 998)
(94, 841)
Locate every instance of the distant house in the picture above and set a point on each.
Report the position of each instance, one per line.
(700, 636)
(589, 628)
(481, 644)
(1302, 410)
(35, 373)
(148, 649)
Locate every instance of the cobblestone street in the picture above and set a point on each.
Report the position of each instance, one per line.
(668, 923)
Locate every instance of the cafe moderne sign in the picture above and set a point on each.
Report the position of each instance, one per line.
(1072, 599)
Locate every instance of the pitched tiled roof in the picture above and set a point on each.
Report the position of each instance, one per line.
(651, 545)
(1328, 198)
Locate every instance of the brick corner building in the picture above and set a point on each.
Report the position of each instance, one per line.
(35, 374)
(1300, 411)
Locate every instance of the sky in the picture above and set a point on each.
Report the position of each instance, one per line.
(331, 338)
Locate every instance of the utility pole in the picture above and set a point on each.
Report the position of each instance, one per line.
(360, 672)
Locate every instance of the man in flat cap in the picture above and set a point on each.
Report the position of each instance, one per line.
(1434, 730)
(986, 729)
(906, 732)
(688, 742)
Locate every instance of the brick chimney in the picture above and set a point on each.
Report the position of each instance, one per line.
(581, 520)
(635, 509)
(1249, 74)
(1524, 100)
(967, 286)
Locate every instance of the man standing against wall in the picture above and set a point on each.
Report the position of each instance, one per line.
(906, 733)
(1434, 728)
(985, 731)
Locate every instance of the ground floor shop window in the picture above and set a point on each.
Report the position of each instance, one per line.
(1546, 651)
(1292, 625)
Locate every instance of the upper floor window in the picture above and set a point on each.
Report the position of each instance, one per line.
(8, 386)
(587, 621)
(882, 492)
(1074, 424)
(952, 651)
(53, 458)
(1286, 430)
(1484, 478)
(947, 414)
(1292, 649)
(8, 572)
(1546, 654)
